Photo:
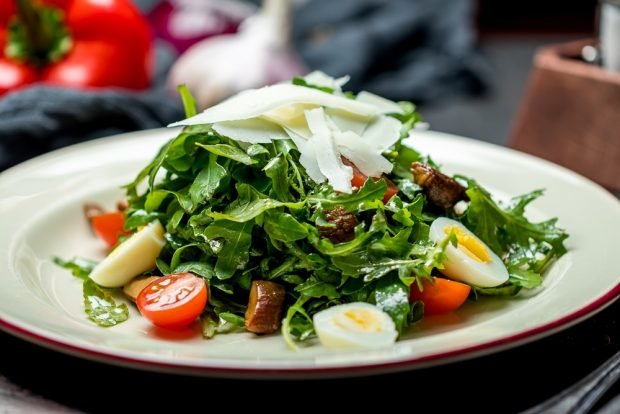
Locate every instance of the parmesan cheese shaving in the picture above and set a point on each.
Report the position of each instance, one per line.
(324, 127)
(327, 156)
(382, 132)
(253, 131)
(385, 106)
(255, 102)
(360, 153)
(321, 79)
(346, 121)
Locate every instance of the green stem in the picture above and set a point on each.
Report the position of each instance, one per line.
(37, 34)
(40, 37)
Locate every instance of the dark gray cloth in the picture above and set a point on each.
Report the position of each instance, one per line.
(40, 119)
(417, 50)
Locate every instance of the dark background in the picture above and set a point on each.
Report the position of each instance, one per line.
(536, 16)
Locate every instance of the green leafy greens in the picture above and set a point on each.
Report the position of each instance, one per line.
(236, 212)
(99, 305)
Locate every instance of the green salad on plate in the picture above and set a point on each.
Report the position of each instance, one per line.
(304, 209)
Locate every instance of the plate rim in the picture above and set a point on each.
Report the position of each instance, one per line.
(440, 358)
(34, 335)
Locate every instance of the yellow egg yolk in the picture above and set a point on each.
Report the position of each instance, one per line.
(469, 245)
(358, 320)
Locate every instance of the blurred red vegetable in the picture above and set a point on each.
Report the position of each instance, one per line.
(75, 43)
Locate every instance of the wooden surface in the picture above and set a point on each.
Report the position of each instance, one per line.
(571, 114)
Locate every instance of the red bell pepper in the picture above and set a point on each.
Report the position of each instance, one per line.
(74, 43)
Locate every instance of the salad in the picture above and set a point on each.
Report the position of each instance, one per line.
(300, 208)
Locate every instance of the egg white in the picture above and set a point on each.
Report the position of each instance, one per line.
(460, 266)
(354, 325)
(131, 258)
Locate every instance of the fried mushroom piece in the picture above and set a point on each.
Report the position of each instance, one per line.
(342, 225)
(442, 191)
(92, 210)
(264, 312)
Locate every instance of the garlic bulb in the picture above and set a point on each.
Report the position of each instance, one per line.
(259, 54)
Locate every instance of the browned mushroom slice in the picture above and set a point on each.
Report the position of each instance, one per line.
(341, 225)
(122, 205)
(264, 312)
(92, 209)
(441, 190)
(135, 286)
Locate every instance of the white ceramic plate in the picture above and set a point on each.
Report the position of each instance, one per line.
(41, 215)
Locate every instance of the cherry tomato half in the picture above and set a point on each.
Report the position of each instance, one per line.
(108, 226)
(442, 296)
(359, 179)
(173, 301)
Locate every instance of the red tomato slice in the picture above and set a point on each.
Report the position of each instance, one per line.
(359, 179)
(173, 301)
(443, 296)
(392, 190)
(108, 226)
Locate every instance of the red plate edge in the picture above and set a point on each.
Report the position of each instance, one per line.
(333, 372)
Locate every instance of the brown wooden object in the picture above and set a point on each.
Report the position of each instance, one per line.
(571, 114)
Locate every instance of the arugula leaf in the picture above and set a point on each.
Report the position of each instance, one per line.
(229, 151)
(139, 218)
(162, 266)
(302, 82)
(178, 254)
(101, 308)
(79, 267)
(508, 289)
(277, 170)
(404, 158)
(392, 296)
(189, 104)
(369, 269)
(154, 199)
(149, 171)
(223, 322)
(99, 305)
(207, 181)
(499, 228)
(388, 246)
(257, 150)
(372, 191)
(325, 246)
(314, 288)
(408, 118)
(249, 204)
(284, 227)
(235, 251)
(232, 319)
(524, 278)
(198, 268)
(297, 323)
